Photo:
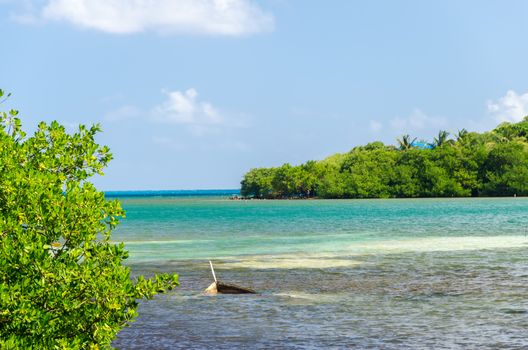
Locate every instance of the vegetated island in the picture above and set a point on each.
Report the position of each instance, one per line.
(493, 163)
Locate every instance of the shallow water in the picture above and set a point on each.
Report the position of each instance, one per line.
(381, 274)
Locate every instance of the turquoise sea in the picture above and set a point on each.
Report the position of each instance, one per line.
(366, 274)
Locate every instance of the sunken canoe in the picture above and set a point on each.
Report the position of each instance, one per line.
(218, 287)
(224, 288)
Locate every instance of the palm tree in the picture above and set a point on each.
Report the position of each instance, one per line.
(405, 142)
(461, 134)
(441, 139)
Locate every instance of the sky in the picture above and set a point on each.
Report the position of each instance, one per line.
(191, 94)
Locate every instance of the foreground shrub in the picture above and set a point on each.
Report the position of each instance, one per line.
(62, 281)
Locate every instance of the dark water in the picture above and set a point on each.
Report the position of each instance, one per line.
(442, 274)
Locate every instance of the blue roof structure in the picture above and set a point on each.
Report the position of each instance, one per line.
(422, 145)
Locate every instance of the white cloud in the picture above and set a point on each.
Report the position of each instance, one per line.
(182, 110)
(183, 107)
(418, 120)
(217, 17)
(509, 108)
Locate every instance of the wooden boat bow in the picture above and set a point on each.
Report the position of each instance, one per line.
(218, 287)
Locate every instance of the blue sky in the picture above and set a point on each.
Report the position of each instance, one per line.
(193, 93)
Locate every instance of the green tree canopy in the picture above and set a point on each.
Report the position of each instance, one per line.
(493, 163)
(62, 281)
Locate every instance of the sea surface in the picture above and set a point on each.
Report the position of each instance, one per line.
(332, 274)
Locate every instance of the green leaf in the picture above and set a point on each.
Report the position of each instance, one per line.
(62, 284)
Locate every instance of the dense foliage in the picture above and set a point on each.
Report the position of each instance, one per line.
(493, 163)
(62, 282)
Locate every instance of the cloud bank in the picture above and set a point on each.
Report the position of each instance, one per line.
(213, 17)
(510, 108)
(185, 108)
(182, 110)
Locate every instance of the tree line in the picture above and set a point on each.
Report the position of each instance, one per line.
(493, 163)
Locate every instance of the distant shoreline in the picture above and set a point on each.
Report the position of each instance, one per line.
(172, 193)
(361, 198)
(234, 194)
